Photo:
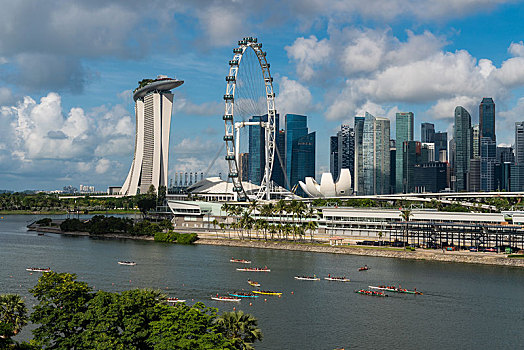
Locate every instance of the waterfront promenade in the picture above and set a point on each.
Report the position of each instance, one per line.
(398, 253)
(321, 245)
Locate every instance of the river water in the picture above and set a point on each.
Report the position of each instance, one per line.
(463, 306)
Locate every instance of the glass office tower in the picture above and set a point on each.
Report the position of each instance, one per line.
(404, 133)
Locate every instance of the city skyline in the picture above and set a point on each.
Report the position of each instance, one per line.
(66, 102)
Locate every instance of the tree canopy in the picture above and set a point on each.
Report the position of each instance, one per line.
(70, 315)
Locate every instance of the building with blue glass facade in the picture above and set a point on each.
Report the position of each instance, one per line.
(257, 155)
(375, 155)
(302, 160)
(487, 118)
(462, 148)
(257, 152)
(296, 128)
(404, 127)
(358, 168)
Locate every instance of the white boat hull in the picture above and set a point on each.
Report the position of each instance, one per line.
(337, 279)
(225, 299)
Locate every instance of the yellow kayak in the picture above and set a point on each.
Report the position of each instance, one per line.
(267, 292)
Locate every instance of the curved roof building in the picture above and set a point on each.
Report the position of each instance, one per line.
(327, 187)
(153, 106)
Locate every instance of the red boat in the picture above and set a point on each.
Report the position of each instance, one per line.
(241, 261)
(371, 293)
(364, 268)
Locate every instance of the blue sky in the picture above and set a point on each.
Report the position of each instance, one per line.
(67, 72)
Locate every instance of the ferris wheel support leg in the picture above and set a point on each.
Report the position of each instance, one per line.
(268, 175)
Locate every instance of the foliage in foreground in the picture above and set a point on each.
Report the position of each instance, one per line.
(71, 316)
(13, 316)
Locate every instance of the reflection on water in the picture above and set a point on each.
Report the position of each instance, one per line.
(463, 306)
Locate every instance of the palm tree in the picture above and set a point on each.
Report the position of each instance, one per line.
(223, 227)
(215, 223)
(247, 222)
(280, 208)
(242, 329)
(272, 230)
(13, 311)
(406, 213)
(311, 226)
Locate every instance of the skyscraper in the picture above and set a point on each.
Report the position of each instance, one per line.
(257, 153)
(375, 155)
(358, 168)
(412, 155)
(243, 166)
(463, 149)
(488, 151)
(487, 118)
(303, 160)
(519, 143)
(441, 143)
(153, 106)
(427, 132)
(300, 150)
(346, 150)
(296, 127)
(333, 156)
(278, 175)
(342, 147)
(488, 144)
(404, 133)
(475, 139)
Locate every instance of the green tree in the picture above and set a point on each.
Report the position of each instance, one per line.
(242, 329)
(162, 193)
(13, 316)
(120, 320)
(59, 313)
(187, 328)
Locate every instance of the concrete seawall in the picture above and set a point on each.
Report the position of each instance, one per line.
(419, 254)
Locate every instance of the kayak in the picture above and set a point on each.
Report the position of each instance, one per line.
(365, 268)
(267, 292)
(175, 300)
(254, 269)
(242, 261)
(225, 298)
(38, 269)
(243, 295)
(338, 279)
(396, 290)
(307, 278)
(371, 293)
(253, 283)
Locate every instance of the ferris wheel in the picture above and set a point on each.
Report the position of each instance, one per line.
(249, 102)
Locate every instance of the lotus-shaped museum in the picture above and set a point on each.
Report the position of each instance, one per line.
(327, 187)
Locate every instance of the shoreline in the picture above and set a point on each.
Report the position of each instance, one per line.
(419, 254)
(65, 212)
(493, 259)
(87, 234)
